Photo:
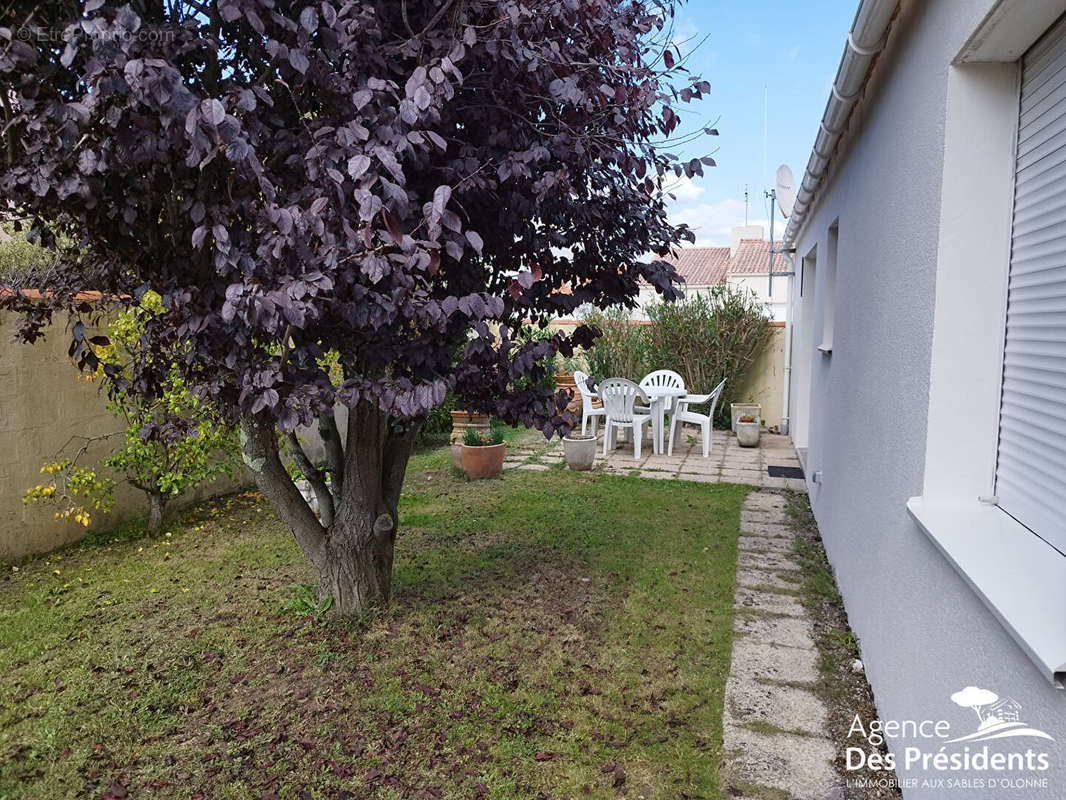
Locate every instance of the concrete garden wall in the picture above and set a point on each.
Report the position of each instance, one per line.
(43, 403)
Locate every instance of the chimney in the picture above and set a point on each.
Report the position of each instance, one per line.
(743, 232)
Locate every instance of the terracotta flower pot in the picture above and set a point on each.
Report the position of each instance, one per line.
(580, 451)
(483, 462)
(565, 381)
(461, 420)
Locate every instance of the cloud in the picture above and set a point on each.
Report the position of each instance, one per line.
(713, 222)
(683, 189)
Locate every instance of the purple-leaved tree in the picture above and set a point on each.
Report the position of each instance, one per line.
(376, 183)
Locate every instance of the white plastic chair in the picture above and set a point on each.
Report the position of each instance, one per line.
(587, 396)
(619, 396)
(682, 415)
(663, 377)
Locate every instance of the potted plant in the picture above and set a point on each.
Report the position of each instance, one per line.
(738, 410)
(461, 422)
(748, 427)
(564, 379)
(482, 453)
(580, 450)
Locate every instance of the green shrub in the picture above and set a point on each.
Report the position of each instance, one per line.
(709, 336)
(21, 260)
(438, 421)
(621, 351)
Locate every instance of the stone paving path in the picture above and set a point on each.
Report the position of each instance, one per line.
(775, 733)
(728, 462)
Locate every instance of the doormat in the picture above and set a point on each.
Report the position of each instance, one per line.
(785, 472)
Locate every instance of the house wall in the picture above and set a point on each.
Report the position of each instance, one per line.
(760, 285)
(862, 410)
(43, 404)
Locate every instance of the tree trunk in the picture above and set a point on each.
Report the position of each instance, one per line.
(357, 573)
(353, 554)
(157, 505)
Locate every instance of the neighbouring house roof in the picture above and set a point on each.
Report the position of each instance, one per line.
(701, 266)
(706, 266)
(753, 258)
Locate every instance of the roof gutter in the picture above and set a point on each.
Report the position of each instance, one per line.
(865, 40)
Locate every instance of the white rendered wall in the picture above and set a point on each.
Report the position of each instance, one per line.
(866, 417)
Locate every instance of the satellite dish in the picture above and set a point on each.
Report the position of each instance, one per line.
(786, 190)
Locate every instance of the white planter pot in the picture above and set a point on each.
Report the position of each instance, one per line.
(580, 452)
(748, 433)
(738, 410)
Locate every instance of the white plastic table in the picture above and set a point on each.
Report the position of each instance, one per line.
(658, 396)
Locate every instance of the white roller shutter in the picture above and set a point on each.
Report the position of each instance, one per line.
(1031, 467)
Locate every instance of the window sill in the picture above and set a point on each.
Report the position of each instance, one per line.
(1020, 577)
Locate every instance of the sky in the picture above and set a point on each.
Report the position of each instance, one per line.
(785, 51)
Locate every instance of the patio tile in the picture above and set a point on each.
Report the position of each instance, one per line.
(698, 478)
(534, 467)
(796, 485)
(669, 476)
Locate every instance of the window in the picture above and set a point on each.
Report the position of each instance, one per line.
(995, 318)
(829, 300)
(1031, 465)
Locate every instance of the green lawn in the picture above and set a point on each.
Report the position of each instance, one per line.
(553, 635)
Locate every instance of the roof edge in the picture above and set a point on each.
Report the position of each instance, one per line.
(865, 41)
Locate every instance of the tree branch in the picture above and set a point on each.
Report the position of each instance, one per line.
(315, 477)
(331, 440)
(259, 448)
(398, 447)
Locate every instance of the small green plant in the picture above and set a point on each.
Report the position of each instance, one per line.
(170, 444)
(474, 437)
(306, 603)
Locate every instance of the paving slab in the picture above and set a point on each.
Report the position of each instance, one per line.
(696, 477)
(655, 475)
(787, 708)
(802, 766)
(760, 559)
(765, 544)
(767, 602)
(755, 578)
(762, 661)
(793, 632)
(772, 529)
